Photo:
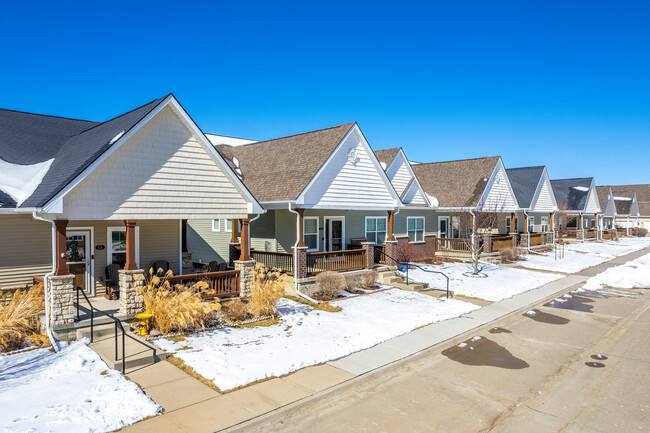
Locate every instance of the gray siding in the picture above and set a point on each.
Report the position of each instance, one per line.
(25, 250)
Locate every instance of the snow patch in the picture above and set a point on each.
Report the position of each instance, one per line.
(383, 165)
(433, 200)
(476, 338)
(623, 198)
(634, 274)
(530, 313)
(235, 161)
(20, 181)
(117, 137)
(580, 188)
(462, 345)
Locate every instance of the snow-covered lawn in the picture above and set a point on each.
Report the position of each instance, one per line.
(234, 357)
(68, 391)
(502, 282)
(579, 256)
(634, 274)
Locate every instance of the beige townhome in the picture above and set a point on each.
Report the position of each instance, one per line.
(93, 204)
(325, 193)
(578, 208)
(620, 208)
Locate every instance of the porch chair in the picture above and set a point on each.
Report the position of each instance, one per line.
(112, 282)
(160, 264)
(222, 267)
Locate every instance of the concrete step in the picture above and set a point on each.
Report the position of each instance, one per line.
(411, 287)
(137, 355)
(99, 331)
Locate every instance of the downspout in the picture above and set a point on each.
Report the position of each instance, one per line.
(527, 231)
(249, 230)
(473, 233)
(553, 229)
(295, 259)
(48, 331)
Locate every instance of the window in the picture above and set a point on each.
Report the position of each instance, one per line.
(216, 225)
(455, 227)
(117, 246)
(531, 224)
(229, 226)
(508, 225)
(310, 233)
(415, 228)
(517, 224)
(376, 230)
(545, 225)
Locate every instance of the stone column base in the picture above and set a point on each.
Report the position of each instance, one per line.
(369, 247)
(245, 269)
(523, 240)
(131, 300)
(392, 249)
(61, 295)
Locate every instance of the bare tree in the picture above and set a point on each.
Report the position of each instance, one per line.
(562, 217)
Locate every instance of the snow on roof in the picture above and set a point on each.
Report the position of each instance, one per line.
(623, 198)
(580, 188)
(20, 181)
(231, 141)
(434, 201)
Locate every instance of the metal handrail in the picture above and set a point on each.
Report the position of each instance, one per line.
(117, 323)
(408, 266)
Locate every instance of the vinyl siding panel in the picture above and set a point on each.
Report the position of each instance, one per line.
(413, 195)
(592, 203)
(500, 196)
(206, 245)
(161, 172)
(344, 184)
(25, 250)
(399, 174)
(544, 202)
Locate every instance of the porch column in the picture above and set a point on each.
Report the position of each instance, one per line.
(551, 227)
(512, 222)
(525, 223)
(301, 227)
(391, 226)
(233, 237)
(130, 245)
(61, 261)
(596, 225)
(245, 240)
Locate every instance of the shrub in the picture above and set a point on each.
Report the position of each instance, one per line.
(508, 255)
(641, 232)
(236, 311)
(329, 285)
(352, 282)
(175, 308)
(406, 252)
(369, 278)
(19, 322)
(267, 289)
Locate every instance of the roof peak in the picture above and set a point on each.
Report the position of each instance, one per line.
(293, 135)
(458, 160)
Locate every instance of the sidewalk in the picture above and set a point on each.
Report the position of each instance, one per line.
(191, 406)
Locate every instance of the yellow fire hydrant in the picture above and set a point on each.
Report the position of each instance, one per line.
(143, 317)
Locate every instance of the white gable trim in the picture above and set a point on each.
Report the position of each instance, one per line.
(592, 191)
(486, 192)
(253, 206)
(416, 182)
(543, 179)
(300, 201)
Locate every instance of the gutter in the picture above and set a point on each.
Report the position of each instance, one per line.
(48, 331)
(295, 261)
(471, 212)
(527, 231)
(249, 230)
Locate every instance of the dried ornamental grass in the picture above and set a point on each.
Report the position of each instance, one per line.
(267, 289)
(236, 311)
(19, 322)
(329, 285)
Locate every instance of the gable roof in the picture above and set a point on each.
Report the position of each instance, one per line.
(73, 144)
(603, 195)
(622, 198)
(642, 195)
(280, 169)
(524, 181)
(572, 194)
(459, 183)
(387, 155)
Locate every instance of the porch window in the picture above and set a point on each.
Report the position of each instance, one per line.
(216, 225)
(376, 229)
(508, 225)
(415, 228)
(545, 224)
(531, 224)
(310, 233)
(117, 246)
(455, 227)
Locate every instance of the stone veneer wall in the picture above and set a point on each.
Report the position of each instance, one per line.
(245, 269)
(131, 300)
(62, 293)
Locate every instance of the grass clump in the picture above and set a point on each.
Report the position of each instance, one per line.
(509, 255)
(236, 311)
(176, 308)
(267, 289)
(19, 322)
(323, 306)
(329, 285)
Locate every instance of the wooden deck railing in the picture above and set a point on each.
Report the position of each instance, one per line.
(380, 254)
(535, 239)
(567, 233)
(591, 234)
(621, 232)
(272, 260)
(501, 242)
(451, 244)
(220, 284)
(37, 280)
(344, 260)
(605, 234)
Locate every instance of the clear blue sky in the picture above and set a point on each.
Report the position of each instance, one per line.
(562, 84)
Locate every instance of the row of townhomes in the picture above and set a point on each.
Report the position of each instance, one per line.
(95, 205)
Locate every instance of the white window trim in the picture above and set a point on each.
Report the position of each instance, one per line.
(109, 244)
(440, 219)
(328, 220)
(423, 226)
(508, 223)
(531, 224)
(225, 226)
(545, 225)
(365, 227)
(317, 232)
(218, 229)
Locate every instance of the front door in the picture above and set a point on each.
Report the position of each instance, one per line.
(443, 227)
(79, 258)
(335, 234)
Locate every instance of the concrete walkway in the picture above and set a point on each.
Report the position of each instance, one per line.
(191, 406)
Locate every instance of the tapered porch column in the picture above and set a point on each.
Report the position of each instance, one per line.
(245, 240)
(130, 264)
(391, 226)
(301, 227)
(61, 260)
(526, 223)
(512, 222)
(233, 237)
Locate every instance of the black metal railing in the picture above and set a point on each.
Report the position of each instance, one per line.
(408, 266)
(117, 322)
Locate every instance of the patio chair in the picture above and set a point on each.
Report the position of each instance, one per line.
(213, 266)
(222, 267)
(112, 282)
(160, 264)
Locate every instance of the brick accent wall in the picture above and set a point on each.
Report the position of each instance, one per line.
(245, 269)
(391, 252)
(62, 292)
(131, 301)
(300, 267)
(369, 247)
(487, 243)
(419, 251)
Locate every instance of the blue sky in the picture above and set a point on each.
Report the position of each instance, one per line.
(561, 84)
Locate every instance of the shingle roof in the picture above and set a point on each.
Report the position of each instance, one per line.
(27, 138)
(280, 169)
(603, 192)
(524, 181)
(642, 195)
(457, 183)
(387, 155)
(571, 194)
